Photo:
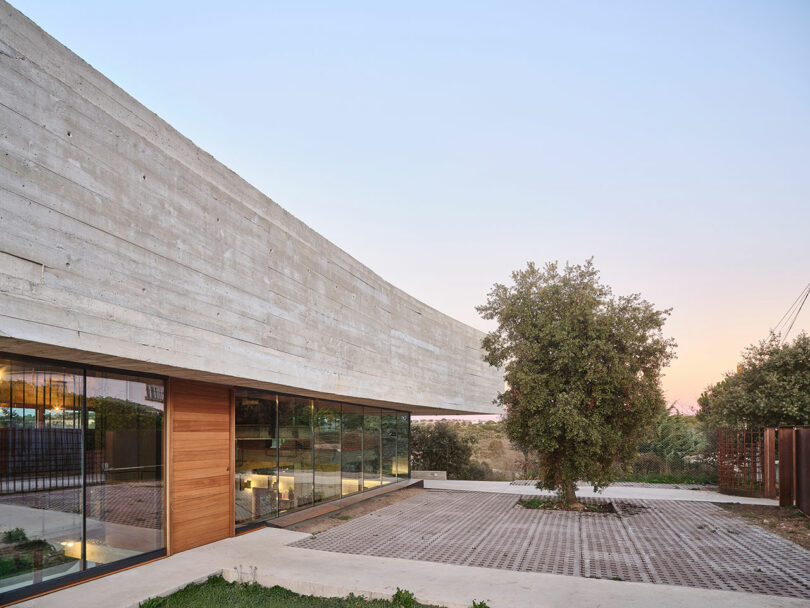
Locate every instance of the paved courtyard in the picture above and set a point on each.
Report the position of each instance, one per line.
(695, 544)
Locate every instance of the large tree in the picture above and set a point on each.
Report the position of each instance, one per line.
(582, 367)
(771, 387)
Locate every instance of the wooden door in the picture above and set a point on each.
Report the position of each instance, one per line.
(200, 447)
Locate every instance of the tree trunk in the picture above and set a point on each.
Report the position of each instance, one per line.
(569, 493)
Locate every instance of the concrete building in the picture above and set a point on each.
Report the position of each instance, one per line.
(179, 356)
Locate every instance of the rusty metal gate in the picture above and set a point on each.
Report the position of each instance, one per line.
(745, 462)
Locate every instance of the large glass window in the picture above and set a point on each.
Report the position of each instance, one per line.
(323, 450)
(256, 473)
(124, 465)
(352, 449)
(327, 450)
(372, 474)
(295, 453)
(70, 464)
(40, 473)
(389, 446)
(403, 464)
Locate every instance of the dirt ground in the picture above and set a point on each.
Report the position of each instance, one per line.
(356, 510)
(787, 522)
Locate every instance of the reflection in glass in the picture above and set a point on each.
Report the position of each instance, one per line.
(256, 475)
(327, 451)
(295, 453)
(403, 466)
(352, 449)
(40, 473)
(389, 446)
(42, 438)
(371, 449)
(324, 450)
(124, 456)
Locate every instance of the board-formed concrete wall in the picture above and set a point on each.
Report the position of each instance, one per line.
(124, 244)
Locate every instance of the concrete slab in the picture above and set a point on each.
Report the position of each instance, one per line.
(637, 493)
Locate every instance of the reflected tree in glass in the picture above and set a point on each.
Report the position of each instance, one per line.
(352, 449)
(40, 479)
(256, 473)
(295, 418)
(124, 464)
(327, 451)
(389, 446)
(403, 470)
(372, 473)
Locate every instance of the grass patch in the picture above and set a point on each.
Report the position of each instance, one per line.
(216, 592)
(670, 478)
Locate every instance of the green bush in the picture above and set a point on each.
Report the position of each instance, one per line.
(7, 567)
(403, 599)
(218, 593)
(440, 447)
(17, 535)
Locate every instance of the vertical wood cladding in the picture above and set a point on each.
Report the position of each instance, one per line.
(200, 464)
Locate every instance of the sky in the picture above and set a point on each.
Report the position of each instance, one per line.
(445, 144)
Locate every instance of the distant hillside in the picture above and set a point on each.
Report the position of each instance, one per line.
(491, 446)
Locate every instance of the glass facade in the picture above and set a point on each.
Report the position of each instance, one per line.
(296, 474)
(82, 466)
(327, 451)
(388, 438)
(351, 454)
(256, 476)
(293, 452)
(81, 471)
(372, 473)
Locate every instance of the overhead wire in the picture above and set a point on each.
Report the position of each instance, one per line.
(789, 318)
(798, 310)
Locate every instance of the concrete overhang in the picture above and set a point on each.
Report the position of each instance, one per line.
(67, 356)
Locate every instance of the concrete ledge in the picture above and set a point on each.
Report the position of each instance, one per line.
(292, 519)
(440, 475)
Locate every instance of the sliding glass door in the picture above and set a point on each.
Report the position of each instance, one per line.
(81, 472)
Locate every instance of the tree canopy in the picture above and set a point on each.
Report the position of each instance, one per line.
(770, 388)
(582, 368)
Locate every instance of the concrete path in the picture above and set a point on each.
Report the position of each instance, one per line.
(329, 574)
(505, 487)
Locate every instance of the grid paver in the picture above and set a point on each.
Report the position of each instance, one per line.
(695, 544)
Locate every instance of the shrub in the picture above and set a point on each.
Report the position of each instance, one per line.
(403, 598)
(17, 535)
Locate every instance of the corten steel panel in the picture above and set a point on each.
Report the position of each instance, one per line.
(741, 461)
(786, 466)
(200, 464)
(125, 245)
(802, 469)
(769, 463)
